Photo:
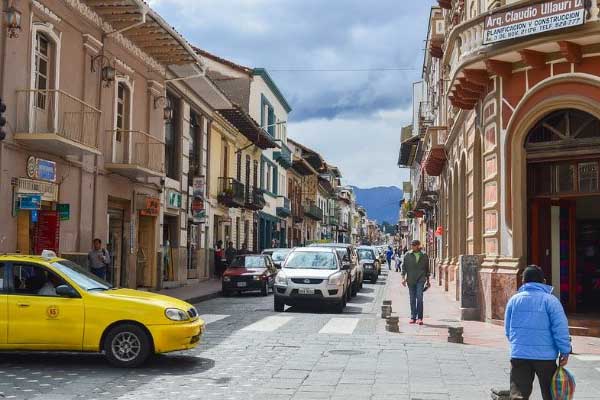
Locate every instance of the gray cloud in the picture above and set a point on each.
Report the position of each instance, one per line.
(334, 34)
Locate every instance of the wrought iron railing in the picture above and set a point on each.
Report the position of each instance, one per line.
(139, 149)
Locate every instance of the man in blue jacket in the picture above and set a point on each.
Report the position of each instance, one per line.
(538, 331)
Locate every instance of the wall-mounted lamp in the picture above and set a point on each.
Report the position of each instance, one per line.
(165, 102)
(13, 21)
(108, 72)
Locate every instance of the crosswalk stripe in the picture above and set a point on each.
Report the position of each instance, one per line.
(268, 324)
(340, 326)
(587, 357)
(210, 318)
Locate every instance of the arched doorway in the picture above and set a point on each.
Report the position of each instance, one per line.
(563, 191)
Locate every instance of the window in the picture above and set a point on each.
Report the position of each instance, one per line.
(34, 280)
(195, 153)
(225, 160)
(172, 140)
(267, 117)
(41, 72)
(2, 278)
(123, 107)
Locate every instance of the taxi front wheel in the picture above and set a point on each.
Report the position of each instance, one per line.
(127, 345)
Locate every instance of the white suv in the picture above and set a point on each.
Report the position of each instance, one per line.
(312, 275)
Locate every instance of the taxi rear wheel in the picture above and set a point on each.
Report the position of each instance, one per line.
(127, 345)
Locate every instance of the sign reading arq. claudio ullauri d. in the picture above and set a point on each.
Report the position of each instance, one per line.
(533, 19)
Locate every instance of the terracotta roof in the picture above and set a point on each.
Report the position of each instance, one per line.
(248, 127)
(221, 60)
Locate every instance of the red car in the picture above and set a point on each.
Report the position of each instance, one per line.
(249, 273)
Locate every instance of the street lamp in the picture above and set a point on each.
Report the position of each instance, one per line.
(164, 102)
(108, 72)
(13, 21)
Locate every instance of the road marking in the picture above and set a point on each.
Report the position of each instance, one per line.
(268, 324)
(587, 357)
(340, 326)
(210, 318)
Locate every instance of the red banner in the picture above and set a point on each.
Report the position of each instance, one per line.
(47, 231)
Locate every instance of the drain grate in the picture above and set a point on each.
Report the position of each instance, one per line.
(449, 320)
(346, 352)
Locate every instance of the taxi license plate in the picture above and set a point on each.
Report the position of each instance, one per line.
(306, 291)
(241, 284)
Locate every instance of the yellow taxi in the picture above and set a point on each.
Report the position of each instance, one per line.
(48, 303)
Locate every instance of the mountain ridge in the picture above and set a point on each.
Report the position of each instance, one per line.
(381, 202)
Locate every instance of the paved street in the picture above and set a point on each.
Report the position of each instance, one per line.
(250, 352)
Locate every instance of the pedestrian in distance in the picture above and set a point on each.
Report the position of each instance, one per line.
(538, 331)
(415, 275)
(398, 258)
(98, 259)
(244, 249)
(219, 256)
(388, 256)
(230, 253)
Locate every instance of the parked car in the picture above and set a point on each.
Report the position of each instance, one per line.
(368, 259)
(249, 273)
(347, 253)
(277, 255)
(312, 275)
(55, 304)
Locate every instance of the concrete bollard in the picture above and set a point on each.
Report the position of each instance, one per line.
(455, 334)
(392, 324)
(386, 309)
(498, 394)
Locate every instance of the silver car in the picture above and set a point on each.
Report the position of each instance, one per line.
(312, 275)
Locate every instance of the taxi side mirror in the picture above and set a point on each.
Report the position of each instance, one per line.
(66, 291)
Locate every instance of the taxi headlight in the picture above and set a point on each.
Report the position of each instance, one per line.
(175, 314)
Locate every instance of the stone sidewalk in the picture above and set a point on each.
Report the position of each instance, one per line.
(201, 291)
(441, 311)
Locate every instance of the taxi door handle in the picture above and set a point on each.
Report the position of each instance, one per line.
(23, 305)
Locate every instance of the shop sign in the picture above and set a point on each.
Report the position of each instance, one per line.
(34, 216)
(533, 19)
(48, 190)
(173, 199)
(64, 211)
(47, 231)
(198, 210)
(151, 207)
(198, 187)
(38, 168)
(30, 202)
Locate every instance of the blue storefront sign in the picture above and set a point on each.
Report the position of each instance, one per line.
(34, 216)
(46, 170)
(30, 202)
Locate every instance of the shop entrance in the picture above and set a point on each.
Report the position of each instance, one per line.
(146, 253)
(117, 273)
(563, 152)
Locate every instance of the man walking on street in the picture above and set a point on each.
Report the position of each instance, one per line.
(98, 260)
(415, 275)
(388, 256)
(538, 331)
(230, 253)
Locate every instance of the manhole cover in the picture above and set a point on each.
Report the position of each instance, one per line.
(346, 352)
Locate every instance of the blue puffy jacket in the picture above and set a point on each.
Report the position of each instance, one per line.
(536, 325)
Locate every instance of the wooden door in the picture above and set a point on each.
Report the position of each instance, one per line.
(540, 239)
(146, 259)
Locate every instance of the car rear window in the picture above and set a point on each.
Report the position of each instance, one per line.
(248, 262)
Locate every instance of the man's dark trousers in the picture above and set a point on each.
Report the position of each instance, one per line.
(416, 300)
(523, 373)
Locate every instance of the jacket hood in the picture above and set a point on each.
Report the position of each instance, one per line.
(535, 286)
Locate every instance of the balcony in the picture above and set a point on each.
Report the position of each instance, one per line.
(343, 227)
(426, 195)
(283, 209)
(136, 154)
(313, 212)
(55, 122)
(333, 220)
(231, 193)
(255, 199)
(435, 157)
(283, 156)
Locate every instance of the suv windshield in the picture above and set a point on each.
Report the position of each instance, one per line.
(311, 260)
(83, 278)
(365, 254)
(279, 255)
(248, 262)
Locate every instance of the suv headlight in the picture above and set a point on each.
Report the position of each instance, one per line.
(280, 279)
(257, 277)
(226, 279)
(175, 314)
(336, 279)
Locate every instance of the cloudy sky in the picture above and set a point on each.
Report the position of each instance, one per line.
(353, 118)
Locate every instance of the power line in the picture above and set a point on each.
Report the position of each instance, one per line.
(342, 69)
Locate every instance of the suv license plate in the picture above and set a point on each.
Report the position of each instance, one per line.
(241, 284)
(306, 291)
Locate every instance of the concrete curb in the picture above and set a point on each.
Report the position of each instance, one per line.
(204, 297)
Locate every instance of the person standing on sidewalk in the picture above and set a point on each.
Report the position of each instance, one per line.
(415, 275)
(388, 256)
(538, 331)
(98, 260)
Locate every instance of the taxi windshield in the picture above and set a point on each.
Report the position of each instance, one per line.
(84, 279)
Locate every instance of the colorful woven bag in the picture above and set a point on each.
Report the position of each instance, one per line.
(563, 385)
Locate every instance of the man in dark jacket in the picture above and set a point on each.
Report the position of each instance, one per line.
(538, 331)
(415, 275)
